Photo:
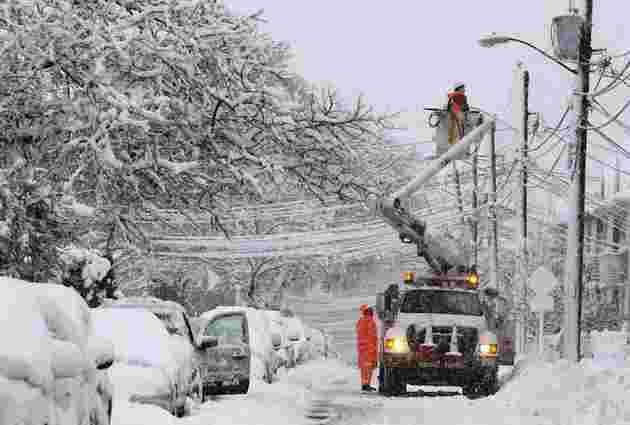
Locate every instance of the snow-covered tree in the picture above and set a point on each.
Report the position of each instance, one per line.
(121, 109)
(30, 228)
(155, 104)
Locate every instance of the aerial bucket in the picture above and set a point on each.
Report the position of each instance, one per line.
(440, 119)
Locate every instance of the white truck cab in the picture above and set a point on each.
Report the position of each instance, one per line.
(436, 331)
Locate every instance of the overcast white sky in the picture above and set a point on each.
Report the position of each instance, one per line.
(405, 55)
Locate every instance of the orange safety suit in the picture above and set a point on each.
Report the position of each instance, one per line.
(367, 344)
(457, 107)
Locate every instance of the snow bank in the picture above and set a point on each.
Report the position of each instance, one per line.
(564, 393)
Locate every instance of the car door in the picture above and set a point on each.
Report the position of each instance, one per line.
(225, 346)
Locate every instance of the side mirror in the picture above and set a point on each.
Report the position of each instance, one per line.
(208, 342)
(276, 340)
(102, 351)
(294, 335)
(104, 365)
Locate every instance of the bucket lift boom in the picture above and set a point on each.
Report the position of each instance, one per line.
(412, 229)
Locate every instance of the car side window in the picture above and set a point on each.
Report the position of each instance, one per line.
(230, 326)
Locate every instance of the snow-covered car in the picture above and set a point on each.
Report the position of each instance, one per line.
(318, 343)
(280, 338)
(172, 314)
(294, 346)
(54, 370)
(235, 346)
(150, 366)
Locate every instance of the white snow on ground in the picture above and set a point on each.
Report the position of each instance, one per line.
(542, 394)
(128, 413)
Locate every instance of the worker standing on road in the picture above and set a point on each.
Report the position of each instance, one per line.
(457, 108)
(367, 349)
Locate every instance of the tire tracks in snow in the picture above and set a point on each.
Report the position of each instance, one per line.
(331, 406)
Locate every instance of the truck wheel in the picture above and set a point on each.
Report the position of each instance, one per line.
(490, 382)
(243, 386)
(484, 384)
(393, 382)
(180, 411)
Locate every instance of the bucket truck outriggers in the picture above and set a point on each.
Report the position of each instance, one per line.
(438, 329)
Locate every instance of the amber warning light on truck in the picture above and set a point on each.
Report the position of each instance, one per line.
(409, 277)
(472, 280)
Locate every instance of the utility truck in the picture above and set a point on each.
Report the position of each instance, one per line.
(443, 328)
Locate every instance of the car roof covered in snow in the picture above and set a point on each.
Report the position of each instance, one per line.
(138, 336)
(152, 303)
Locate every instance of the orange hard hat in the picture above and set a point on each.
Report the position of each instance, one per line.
(363, 308)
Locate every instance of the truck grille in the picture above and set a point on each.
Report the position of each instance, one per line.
(467, 337)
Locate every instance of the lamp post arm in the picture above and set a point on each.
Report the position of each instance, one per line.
(542, 52)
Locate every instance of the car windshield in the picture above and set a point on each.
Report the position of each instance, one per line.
(441, 302)
(230, 327)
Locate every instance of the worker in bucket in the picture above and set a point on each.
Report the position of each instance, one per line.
(367, 348)
(457, 108)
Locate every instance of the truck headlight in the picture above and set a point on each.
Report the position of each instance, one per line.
(397, 344)
(488, 349)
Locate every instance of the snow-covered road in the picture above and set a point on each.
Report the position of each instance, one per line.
(326, 392)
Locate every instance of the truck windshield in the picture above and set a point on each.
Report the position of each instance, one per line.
(441, 302)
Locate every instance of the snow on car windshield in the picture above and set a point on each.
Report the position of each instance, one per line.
(441, 302)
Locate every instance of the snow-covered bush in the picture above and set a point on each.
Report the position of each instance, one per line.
(89, 272)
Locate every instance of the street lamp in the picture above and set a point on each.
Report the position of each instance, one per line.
(494, 39)
(575, 236)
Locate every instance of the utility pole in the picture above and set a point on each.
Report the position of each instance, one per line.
(524, 241)
(492, 212)
(521, 292)
(575, 243)
(475, 204)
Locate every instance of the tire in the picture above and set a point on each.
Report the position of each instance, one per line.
(483, 385)
(243, 386)
(180, 411)
(490, 382)
(393, 382)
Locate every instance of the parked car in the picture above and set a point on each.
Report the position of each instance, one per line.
(286, 338)
(55, 368)
(172, 314)
(150, 366)
(235, 346)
